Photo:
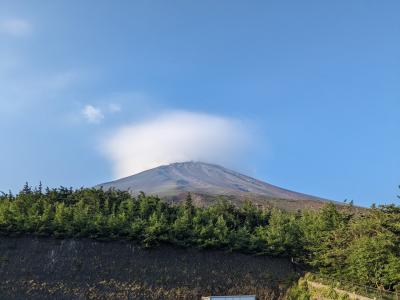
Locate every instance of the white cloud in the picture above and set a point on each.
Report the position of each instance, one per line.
(175, 136)
(96, 114)
(15, 27)
(92, 114)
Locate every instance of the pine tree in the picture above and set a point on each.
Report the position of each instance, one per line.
(189, 205)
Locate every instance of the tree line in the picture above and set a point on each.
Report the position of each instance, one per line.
(362, 247)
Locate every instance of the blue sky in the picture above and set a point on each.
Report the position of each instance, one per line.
(305, 94)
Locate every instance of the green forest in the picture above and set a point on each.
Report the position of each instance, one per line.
(361, 246)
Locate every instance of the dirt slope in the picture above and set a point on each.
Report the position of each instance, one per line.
(40, 268)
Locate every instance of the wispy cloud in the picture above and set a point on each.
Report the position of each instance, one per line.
(92, 114)
(23, 87)
(15, 27)
(175, 136)
(114, 108)
(96, 114)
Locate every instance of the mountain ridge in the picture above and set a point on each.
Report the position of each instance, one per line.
(206, 182)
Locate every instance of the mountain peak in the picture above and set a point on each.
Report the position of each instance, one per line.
(173, 182)
(189, 164)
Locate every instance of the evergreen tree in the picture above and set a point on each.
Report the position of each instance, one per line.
(360, 246)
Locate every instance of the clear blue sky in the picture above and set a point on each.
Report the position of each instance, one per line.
(320, 80)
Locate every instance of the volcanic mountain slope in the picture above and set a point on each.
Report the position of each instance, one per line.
(207, 182)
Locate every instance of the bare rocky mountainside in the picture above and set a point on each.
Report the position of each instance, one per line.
(207, 182)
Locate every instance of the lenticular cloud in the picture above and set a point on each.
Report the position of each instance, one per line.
(175, 136)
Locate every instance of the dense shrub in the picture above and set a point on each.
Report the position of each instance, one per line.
(363, 248)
